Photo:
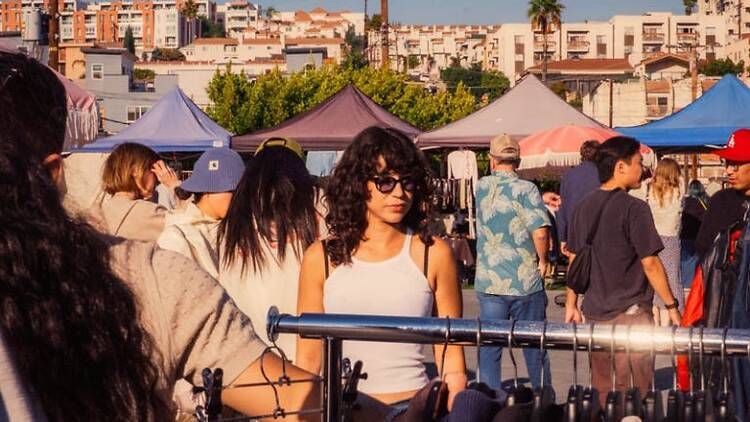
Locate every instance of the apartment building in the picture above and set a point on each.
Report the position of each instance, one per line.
(227, 49)
(237, 16)
(734, 13)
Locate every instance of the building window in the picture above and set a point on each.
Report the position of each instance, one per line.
(97, 71)
(135, 112)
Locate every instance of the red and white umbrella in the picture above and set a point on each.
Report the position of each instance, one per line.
(560, 147)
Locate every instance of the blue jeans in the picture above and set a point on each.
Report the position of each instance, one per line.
(689, 260)
(527, 308)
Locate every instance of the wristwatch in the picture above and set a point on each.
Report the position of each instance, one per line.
(675, 305)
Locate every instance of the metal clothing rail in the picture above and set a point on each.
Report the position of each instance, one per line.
(334, 328)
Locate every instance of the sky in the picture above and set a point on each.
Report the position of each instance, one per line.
(483, 11)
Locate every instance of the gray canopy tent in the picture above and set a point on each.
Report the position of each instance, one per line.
(527, 108)
(329, 126)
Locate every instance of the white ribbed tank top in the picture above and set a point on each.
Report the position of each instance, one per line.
(394, 287)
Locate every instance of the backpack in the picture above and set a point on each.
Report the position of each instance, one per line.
(579, 272)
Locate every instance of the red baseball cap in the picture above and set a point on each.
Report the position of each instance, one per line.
(738, 146)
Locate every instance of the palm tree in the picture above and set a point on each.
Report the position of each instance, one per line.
(270, 10)
(190, 12)
(545, 15)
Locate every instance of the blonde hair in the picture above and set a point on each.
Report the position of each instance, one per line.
(126, 166)
(666, 180)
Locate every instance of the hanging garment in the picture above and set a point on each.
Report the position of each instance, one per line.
(740, 318)
(321, 163)
(462, 164)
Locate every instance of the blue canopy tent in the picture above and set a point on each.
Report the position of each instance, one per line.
(173, 124)
(707, 121)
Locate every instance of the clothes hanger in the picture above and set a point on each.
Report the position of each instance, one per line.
(675, 397)
(517, 394)
(700, 398)
(689, 397)
(652, 409)
(543, 396)
(590, 399)
(633, 405)
(575, 393)
(724, 409)
(614, 397)
(479, 342)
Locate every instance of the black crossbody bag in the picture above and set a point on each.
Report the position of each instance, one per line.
(579, 272)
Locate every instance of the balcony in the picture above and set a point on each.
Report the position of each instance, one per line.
(578, 45)
(539, 45)
(653, 110)
(687, 38)
(651, 37)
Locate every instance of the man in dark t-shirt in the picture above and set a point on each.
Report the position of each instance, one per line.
(625, 267)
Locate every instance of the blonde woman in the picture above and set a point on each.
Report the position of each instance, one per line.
(129, 177)
(666, 203)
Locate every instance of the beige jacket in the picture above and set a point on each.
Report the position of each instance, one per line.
(133, 219)
(192, 233)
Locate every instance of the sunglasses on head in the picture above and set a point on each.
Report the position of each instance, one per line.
(386, 184)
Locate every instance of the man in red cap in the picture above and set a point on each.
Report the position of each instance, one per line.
(727, 206)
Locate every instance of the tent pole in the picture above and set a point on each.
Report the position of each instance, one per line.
(686, 170)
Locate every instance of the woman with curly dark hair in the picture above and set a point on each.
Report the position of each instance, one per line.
(380, 259)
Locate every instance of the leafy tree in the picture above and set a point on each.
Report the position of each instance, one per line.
(354, 58)
(167, 54)
(492, 83)
(211, 29)
(240, 106)
(560, 89)
(689, 6)
(190, 12)
(270, 10)
(413, 61)
(128, 42)
(545, 15)
(375, 22)
(721, 67)
(144, 74)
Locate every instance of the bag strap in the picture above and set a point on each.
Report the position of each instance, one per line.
(325, 258)
(592, 234)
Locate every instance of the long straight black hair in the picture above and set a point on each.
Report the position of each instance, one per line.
(274, 202)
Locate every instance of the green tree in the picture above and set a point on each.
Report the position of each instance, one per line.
(479, 82)
(375, 22)
(721, 67)
(211, 29)
(689, 6)
(144, 74)
(167, 54)
(270, 10)
(190, 12)
(413, 61)
(560, 89)
(354, 57)
(128, 42)
(545, 15)
(241, 106)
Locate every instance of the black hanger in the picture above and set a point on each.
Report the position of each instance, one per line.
(575, 393)
(689, 397)
(724, 409)
(517, 394)
(652, 409)
(701, 400)
(614, 397)
(212, 386)
(675, 398)
(590, 399)
(543, 396)
(633, 405)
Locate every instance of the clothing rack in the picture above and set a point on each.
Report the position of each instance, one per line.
(334, 328)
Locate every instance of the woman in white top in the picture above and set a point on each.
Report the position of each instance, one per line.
(379, 259)
(665, 200)
(271, 221)
(193, 230)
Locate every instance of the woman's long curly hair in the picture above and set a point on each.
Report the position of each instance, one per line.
(347, 192)
(72, 325)
(274, 203)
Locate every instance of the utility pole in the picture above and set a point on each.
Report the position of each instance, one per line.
(384, 50)
(54, 52)
(611, 101)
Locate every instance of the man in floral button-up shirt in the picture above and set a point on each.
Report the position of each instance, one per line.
(512, 241)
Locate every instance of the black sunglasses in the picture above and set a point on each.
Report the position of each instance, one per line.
(386, 184)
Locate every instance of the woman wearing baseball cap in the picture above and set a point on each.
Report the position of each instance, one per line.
(193, 231)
